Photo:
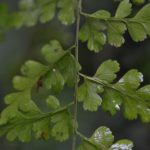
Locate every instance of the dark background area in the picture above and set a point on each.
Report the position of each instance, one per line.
(25, 43)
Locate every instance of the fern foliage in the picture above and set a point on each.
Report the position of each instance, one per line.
(24, 120)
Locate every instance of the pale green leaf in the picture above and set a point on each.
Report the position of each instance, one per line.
(48, 12)
(62, 126)
(33, 69)
(112, 101)
(124, 9)
(42, 129)
(102, 136)
(144, 92)
(52, 102)
(115, 33)
(87, 93)
(25, 134)
(137, 31)
(130, 108)
(96, 41)
(67, 67)
(143, 16)
(101, 14)
(91, 32)
(54, 80)
(22, 83)
(85, 145)
(53, 52)
(67, 11)
(17, 96)
(122, 145)
(107, 70)
(131, 80)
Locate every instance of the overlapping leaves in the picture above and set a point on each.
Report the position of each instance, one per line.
(126, 92)
(137, 26)
(32, 11)
(103, 139)
(22, 116)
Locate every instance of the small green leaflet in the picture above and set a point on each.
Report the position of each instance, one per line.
(54, 81)
(103, 139)
(62, 126)
(122, 145)
(53, 102)
(115, 31)
(52, 52)
(111, 101)
(86, 145)
(102, 136)
(101, 14)
(107, 70)
(67, 11)
(87, 93)
(124, 9)
(33, 69)
(140, 27)
(90, 32)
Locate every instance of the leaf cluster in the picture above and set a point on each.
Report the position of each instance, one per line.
(100, 27)
(126, 92)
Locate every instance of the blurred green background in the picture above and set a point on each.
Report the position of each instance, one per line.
(25, 43)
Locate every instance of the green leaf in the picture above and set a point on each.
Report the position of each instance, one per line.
(124, 9)
(17, 96)
(87, 93)
(26, 4)
(85, 145)
(22, 83)
(62, 126)
(48, 12)
(67, 11)
(122, 145)
(131, 80)
(102, 136)
(133, 108)
(12, 134)
(52, 52)
(90, 32)
(67, 67)
(54, 80)
(130, 108)
(111, 101)
(25, 134)
(115, 33)
(53, 102)
(107, 70)
(42, 129)
(96, 41)
(144, 92)
(101, 14)
(137, 31)
(144, 16)
(33, 69)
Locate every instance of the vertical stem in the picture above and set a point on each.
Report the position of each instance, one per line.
(78, 10)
